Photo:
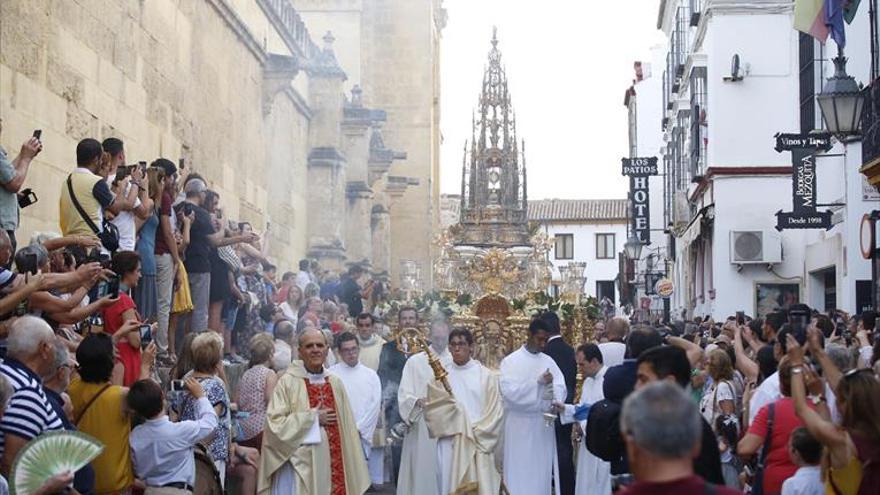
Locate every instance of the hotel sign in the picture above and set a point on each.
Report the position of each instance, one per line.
(634, 167)
(638, 170)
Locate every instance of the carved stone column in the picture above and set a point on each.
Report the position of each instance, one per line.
(380, 221)
(327, 163)
(356, 130)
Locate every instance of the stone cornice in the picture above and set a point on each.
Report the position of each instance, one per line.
(326, 157)
(733, 7)
(290, 27)
(227, 13)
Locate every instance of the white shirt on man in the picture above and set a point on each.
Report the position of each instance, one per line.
(125, 222)
(466, 382)
(807, 480)
(593, 474)
(529, 442)
(612, 353)
(364, 396)
(302, 279)
(418, 463)
(162, 451)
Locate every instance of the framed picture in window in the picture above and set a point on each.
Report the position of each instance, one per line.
(773, 296)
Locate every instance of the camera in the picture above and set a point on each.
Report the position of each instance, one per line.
(38, 133)
(96, 256)
(26, 197)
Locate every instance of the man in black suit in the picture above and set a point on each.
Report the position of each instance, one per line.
(391, 362)
(563, 354)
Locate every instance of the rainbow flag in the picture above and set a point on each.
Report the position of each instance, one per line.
(809, 18)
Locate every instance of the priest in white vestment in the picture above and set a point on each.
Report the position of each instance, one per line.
(593, 474)
(311, 444)
(418, 459)
(467, 423)
(362, 386)
(530, 385)
(370, 351)
(370, 343)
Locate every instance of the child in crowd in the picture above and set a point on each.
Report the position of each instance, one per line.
(806, 453)
(162, 451)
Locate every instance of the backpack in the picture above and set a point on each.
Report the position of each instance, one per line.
(603, 431)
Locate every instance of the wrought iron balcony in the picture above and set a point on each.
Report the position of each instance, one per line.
(871, 133)
(696, 11)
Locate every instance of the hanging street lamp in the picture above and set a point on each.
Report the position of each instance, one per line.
(841, 102)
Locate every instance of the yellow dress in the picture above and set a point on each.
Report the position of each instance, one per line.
(106, 421)
(846, 479)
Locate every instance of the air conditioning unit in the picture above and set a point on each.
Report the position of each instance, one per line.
(755, 247)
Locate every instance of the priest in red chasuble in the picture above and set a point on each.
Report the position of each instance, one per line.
(311, 444)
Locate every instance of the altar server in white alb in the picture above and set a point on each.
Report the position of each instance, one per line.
(418, 460)
(362, 386)
(467, 423)
(530, 385)
(593, 474)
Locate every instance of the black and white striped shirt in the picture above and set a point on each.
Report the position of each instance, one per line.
(28, 412)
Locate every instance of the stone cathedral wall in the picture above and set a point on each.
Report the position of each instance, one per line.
(398, 68)
(171, 78)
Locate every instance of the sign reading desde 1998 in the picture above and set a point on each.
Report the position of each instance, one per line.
(640, 167)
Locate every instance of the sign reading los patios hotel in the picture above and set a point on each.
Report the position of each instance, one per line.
(638, 170)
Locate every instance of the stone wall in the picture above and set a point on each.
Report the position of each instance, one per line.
(398, 69)
(178, 79)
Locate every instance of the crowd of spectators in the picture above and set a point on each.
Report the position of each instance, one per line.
(147, 284)
(789, 404)
(124, 323)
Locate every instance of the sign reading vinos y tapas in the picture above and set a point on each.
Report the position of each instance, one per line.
(803, 148)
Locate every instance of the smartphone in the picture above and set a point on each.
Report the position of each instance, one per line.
(26, 197)
(146, 332)
(143, 166)
(113, 287)
(799, 321)
(740, 318)
(219, 213)
(31, 263)
(180, 163)
(38, 133)
(177, 386)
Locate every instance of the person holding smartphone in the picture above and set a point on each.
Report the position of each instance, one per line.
(120, 317)
(12, 176)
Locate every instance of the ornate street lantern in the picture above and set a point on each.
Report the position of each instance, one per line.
(633, 248)
(841, 102)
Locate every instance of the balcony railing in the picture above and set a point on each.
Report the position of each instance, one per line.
(699, 122)
(871, 124)
(679, 48)
(696, 12)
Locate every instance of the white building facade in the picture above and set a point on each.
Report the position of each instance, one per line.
(736, 74)
(589, 231)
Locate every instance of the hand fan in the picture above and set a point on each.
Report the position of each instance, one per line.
(51, 453)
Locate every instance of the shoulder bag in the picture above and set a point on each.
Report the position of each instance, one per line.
(109, 234)
(89, 404)
(758, 483)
